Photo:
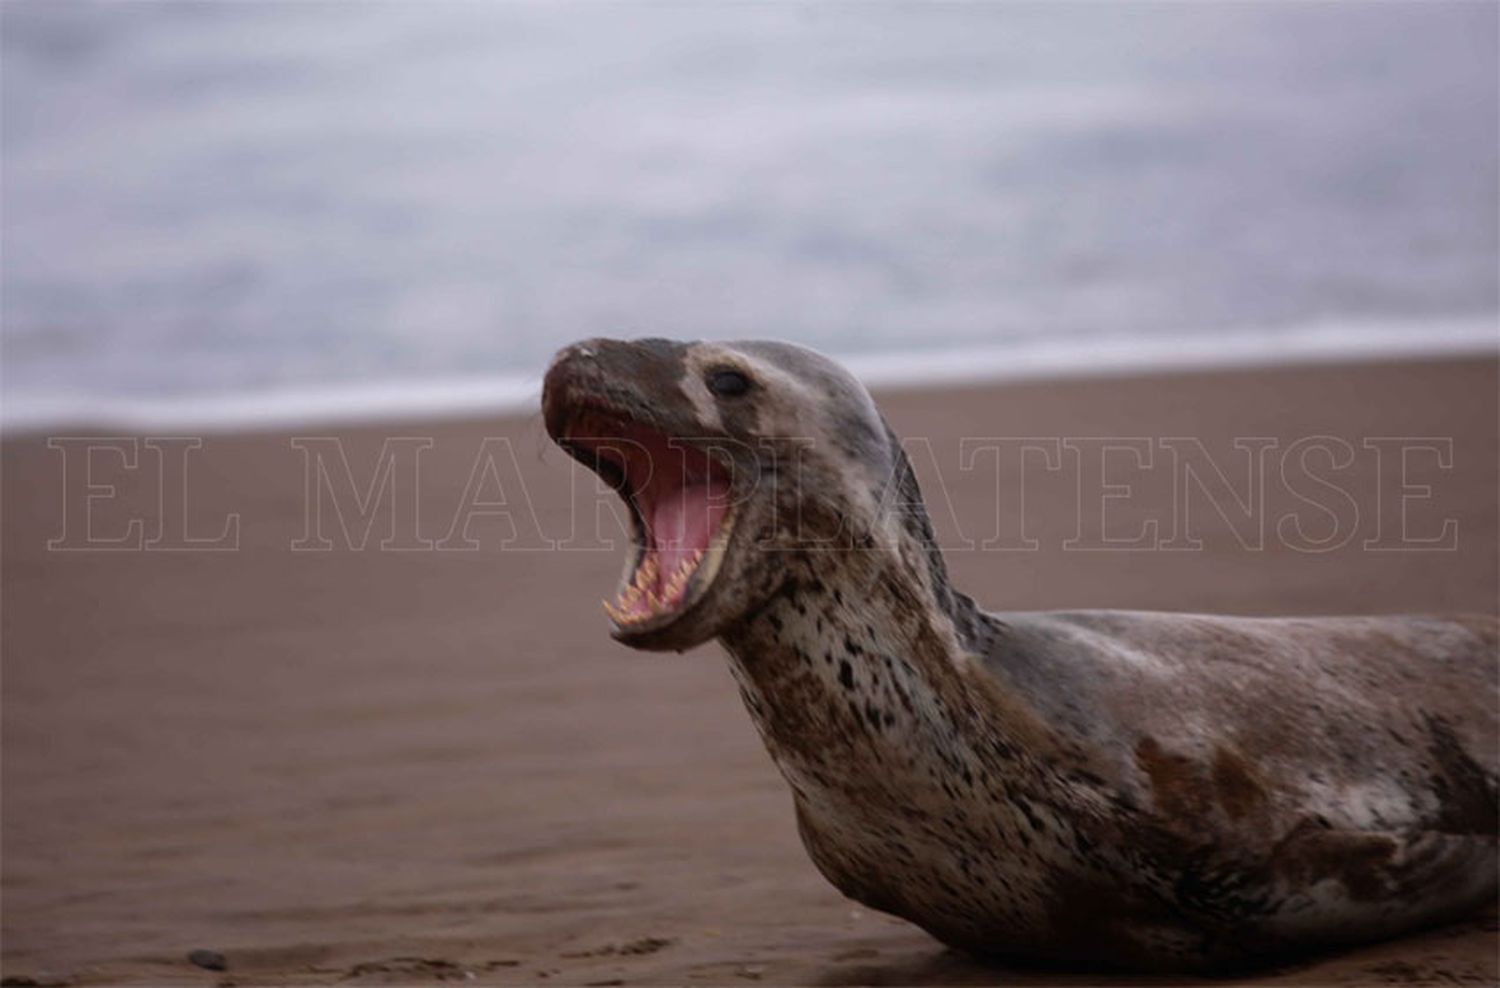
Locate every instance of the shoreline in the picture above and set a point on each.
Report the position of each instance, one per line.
(449, 398)
(371, 765)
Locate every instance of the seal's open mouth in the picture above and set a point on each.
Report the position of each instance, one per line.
(680, 508)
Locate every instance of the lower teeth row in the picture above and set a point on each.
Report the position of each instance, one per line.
(645, 577)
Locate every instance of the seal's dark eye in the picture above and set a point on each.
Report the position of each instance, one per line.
(728, 383)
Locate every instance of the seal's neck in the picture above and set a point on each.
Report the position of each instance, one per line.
(859, 671)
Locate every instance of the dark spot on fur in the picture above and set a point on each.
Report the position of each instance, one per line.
(846, 674)
(1238, 784)
(1178, 788)
(1358, 861)
(1467, 798)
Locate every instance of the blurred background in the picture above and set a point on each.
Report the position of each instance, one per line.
(247, 222)
(299, 200)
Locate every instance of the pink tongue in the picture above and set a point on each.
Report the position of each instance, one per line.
(683, 521)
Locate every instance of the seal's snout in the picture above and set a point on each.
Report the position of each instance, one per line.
(571, 375)
(618, 408)
(635, 377)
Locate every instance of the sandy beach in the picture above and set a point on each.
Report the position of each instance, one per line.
(426, 763)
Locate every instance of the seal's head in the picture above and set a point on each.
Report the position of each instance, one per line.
(729, 455)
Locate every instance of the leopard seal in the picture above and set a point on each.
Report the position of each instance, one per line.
(1151, 791)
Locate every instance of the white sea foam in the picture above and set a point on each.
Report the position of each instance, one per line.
(1328, 342)
(268, 213)
(463, 397)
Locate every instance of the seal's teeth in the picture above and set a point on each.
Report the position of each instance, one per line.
(640, 578)
(614, 614)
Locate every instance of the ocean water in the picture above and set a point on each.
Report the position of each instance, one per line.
(338, 204)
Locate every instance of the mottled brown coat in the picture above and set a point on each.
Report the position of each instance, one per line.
(1159, 791)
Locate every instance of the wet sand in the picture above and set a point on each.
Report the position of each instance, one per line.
(380, 766)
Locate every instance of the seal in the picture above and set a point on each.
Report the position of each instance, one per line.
(1152, 791)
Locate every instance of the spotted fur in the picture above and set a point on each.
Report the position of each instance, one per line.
(1154, 791)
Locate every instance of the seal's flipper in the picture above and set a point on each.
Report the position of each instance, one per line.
(1344, 886)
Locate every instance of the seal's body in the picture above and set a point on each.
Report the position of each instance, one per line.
(1147, 790)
